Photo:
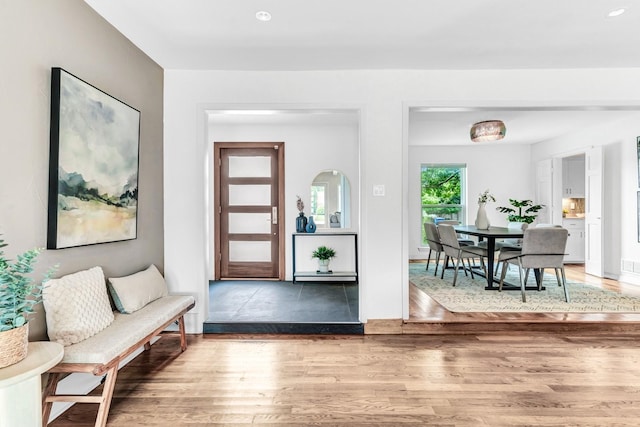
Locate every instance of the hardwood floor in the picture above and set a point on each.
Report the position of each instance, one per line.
(427, 316)
(394, 380)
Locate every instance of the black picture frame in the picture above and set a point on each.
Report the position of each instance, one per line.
(638, 157)
(93, 165)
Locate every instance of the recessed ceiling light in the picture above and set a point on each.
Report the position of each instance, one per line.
(263, 16)
(616, 12)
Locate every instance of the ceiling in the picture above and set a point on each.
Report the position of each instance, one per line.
(391, 34)
(375, 34)
(524, 126)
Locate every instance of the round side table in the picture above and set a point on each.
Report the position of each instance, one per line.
(21, 388)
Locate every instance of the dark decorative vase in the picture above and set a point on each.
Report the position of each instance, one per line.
(311, 225)
(301, 223)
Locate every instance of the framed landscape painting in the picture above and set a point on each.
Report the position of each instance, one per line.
(93, 165)
(638, 152)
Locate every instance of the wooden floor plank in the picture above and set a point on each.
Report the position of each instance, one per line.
(378, 380)
(480, 369)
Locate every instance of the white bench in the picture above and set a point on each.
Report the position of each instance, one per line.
(102, 353)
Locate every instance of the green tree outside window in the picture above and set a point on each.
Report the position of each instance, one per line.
(442, 189)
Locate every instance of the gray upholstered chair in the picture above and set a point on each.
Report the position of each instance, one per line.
(462, 240)
(433, 239)
(454, 250)
(509, 245)
(542, 247)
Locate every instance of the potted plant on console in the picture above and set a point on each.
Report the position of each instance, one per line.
(324, 255)
(18, 295)
(526, 211)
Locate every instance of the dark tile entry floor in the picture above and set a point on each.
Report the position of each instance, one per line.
(277, 307)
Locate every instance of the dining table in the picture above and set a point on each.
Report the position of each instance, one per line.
(490, 235)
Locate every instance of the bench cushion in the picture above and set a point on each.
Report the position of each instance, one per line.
(126, 330)
(77, 306)
(131, 293)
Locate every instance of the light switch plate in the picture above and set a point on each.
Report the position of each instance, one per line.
(378, 190)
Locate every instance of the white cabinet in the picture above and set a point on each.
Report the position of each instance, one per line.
(575, 241)
(573, 177)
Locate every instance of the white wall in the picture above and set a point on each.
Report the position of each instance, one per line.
(384, 97)
(309, 149)
(38, 35)
(620, 221)
(503, 169)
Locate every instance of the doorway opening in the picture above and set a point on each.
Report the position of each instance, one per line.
(425, 130)
(573, 206)
(262, 303)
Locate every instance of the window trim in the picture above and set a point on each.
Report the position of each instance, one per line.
(463, 205)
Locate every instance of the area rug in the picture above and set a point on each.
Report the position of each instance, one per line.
(470, 296)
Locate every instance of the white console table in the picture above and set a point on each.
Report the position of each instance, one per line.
(21, 388)
(346, 261)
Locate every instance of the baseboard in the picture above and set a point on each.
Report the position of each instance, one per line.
(283, 328)
(508, 327)
(631, 278)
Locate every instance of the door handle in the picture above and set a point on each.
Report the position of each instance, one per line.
(274, 215)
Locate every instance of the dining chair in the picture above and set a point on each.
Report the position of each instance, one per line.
(511, 248)
(454, 250)
(462, 240)
(542, 247)
(433, 239)
(509, 245)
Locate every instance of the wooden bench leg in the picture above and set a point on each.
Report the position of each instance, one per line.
(183, 335)
(49, 390)
(147, 346)
(107, 395)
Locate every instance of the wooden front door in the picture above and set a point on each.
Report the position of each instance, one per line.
(249, 194)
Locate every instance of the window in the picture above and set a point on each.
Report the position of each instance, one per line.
(442, 193)
(318, 202)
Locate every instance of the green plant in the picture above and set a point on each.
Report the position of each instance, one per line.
(526, 211)
(18, 293)
(323, 253)
(486, 197)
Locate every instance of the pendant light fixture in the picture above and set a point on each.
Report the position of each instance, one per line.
(488, 130)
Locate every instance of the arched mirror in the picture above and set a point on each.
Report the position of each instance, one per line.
(330, 200)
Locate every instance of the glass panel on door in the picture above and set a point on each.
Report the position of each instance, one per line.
(249, 195)
(249, 167)
(241, 251)
(249, 223)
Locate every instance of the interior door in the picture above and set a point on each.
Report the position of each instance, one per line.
(249, 195)
(593, 214)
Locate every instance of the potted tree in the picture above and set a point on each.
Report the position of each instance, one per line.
(18, 296)
(324, 255)
(526, 211)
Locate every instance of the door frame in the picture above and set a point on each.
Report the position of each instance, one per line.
(594, 263)
(279, 146)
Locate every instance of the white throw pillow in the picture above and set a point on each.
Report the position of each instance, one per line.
(131, 293)
(77, 306)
